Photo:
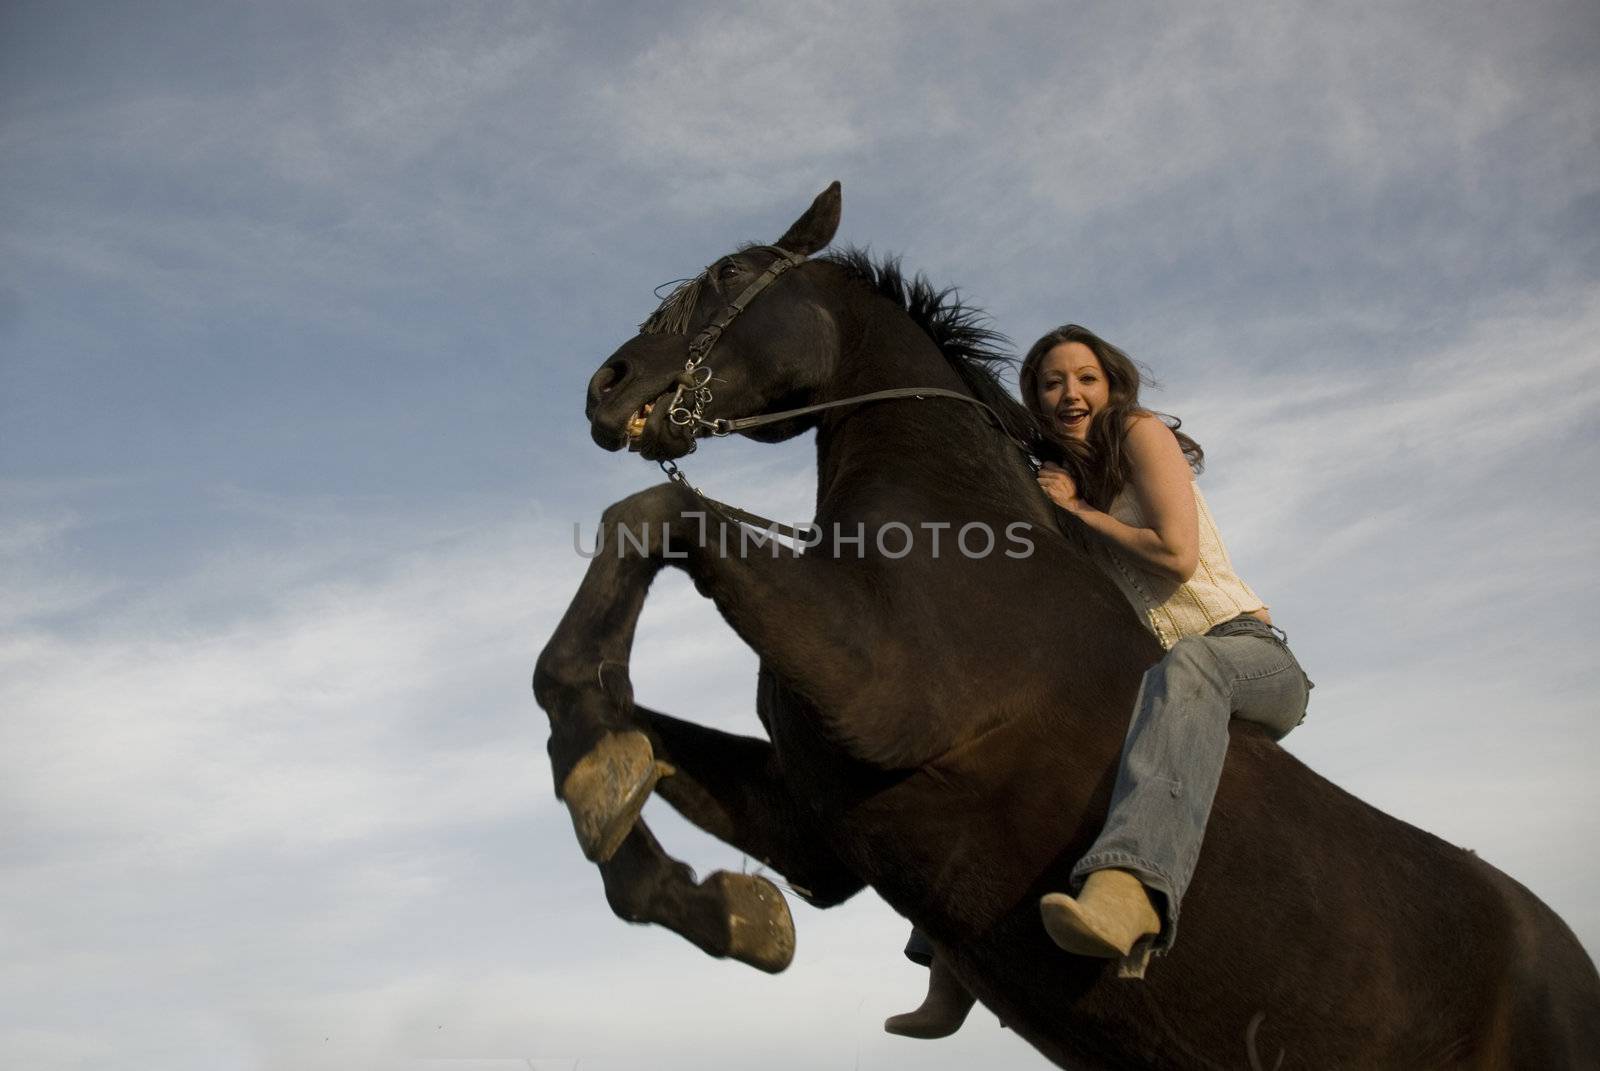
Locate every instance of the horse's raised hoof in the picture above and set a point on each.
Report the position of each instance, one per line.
(608, 788)
(760, 928)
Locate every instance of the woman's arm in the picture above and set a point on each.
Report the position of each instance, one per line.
(1160, 481)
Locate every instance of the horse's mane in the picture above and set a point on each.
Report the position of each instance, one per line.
(976, 352)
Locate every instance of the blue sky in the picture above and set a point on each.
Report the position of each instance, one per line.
(297, 305)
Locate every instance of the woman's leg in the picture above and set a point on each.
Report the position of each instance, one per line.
(1172, 757)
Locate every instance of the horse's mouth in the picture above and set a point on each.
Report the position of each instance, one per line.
(647, 431)
(635, 425)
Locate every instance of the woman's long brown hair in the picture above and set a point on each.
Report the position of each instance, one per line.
(1099, 463)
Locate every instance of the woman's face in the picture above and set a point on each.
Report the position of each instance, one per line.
(1072, 388)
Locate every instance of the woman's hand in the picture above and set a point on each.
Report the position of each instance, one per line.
(1060, 486)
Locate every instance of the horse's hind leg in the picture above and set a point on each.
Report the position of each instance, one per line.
(742, 916)
(730, 786)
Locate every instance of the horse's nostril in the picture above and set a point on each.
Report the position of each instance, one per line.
(610, 376)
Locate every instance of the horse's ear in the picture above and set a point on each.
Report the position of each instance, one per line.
(814, 230)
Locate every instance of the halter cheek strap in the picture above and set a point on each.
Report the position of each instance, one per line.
(697, 379)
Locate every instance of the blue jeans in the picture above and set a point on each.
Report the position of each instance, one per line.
(1172, 756)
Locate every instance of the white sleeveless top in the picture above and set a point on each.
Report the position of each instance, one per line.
(1171, 610)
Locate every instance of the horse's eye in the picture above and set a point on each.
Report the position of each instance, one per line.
(727, 271)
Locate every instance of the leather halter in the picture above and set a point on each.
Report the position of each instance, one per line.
(691, 379)
(700, 346)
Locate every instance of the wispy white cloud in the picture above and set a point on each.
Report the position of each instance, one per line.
(744, 108)
(682, 1010)
(1205, 82)
(286, 719)
(29, 589)
(296, 190)
(401, 98)
(736, 96)
(1439, 446)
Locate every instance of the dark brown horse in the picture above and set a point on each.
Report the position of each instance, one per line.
(945, 723)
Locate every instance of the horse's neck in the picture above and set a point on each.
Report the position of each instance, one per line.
(904, 449)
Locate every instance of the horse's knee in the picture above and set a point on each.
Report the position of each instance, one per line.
(659, 502)
(555, 676)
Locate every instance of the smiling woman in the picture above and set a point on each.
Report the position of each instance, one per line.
(1072, 387)
(1054, 388)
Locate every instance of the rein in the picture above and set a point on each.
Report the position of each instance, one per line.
(691, 380)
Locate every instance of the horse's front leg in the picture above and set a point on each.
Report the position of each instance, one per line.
(603, 766)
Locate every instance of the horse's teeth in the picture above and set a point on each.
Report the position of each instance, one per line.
(636, 422)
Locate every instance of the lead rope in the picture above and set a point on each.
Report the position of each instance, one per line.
(733, 513)
(726, 427)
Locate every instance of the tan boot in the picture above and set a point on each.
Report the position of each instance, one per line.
(943, 1010)
(1111, 913)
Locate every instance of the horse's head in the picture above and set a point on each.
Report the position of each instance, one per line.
(750, 333)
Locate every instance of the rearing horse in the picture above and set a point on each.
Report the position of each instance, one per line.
(945, 722)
